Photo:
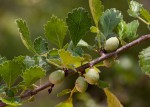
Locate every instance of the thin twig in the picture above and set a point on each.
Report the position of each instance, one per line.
(83, 67)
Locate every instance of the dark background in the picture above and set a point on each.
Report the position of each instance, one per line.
(126, 79)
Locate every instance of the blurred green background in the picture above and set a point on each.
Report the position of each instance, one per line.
(127, 82)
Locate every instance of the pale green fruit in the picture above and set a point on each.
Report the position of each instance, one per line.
(81, 84)
(57, 76)
(92, 76)
(111, 44)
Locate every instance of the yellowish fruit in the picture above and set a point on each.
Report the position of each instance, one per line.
(92, 76)
(111, 44)
(57, 76)
(81, 84)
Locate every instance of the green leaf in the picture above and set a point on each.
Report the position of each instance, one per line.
(102, 84)
(13, 102)
(29, 62)
(109, 20)
(32, 75)
(145, 14)
(83, 43)
(10, 71)
(55, 30)
(2, 59)
(53, 54)
(134, 8)
(112, 99)
(97, 9)
(40, 45)
(144, 60)
(64, 92)
(128, 31)
(79, 23)
(76, 51)
(94, 29)
(67, 103)
(87, 57)
(68, 59)
(23, 29)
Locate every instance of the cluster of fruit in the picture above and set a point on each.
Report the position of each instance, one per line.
(91, 76)
(81, 84)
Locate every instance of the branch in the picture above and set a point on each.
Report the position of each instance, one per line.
(83, 67)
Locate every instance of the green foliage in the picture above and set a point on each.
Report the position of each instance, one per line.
(144, 61)
(64, 92)
(79, 23)
(128, 31)
(71, 56)
(112, 99)
(68, 60)
(40, 45)
(83, 43)
(97, 9)
(55, 30)
(67, 103)
(145, 14)
(102, 84)
(10, 71)
(134, 8)
(32, 75)
(2, 59)
(109, 20)
(13, 102)
(23, 29)
(29, 62)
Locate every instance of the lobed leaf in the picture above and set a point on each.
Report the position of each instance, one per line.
(144, 60)
(145, 14)
(112, 99)
(68, 59)
(79, 23)
(10, 71)
(40, 45)
(128, 31)
(23, 29)
(55, 30)
(109, 20)
(134, 8)
(32, 75)
(97, 9)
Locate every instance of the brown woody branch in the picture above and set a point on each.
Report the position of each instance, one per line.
(83, 67)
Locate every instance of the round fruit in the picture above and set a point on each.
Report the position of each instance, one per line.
(81, 84)
(92, 76)
(57, 76)
(111, 44)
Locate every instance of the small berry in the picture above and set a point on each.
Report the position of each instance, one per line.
(57, 76)
(81, 84)
(92, 76)
(111, 44)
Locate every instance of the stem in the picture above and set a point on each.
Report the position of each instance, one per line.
(72, 92)
(144, 21)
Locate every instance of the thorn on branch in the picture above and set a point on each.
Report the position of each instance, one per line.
(50, 89)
